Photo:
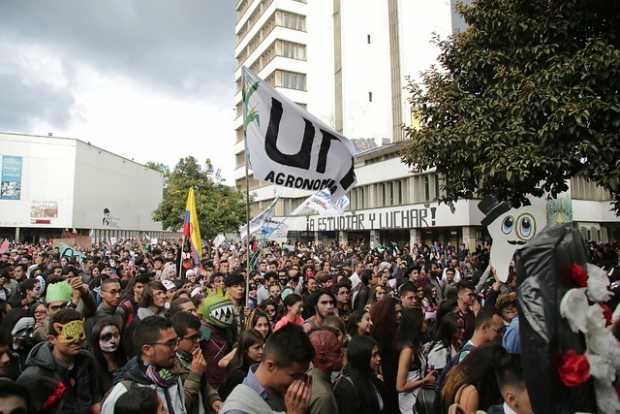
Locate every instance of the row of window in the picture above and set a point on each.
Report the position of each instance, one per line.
(278, 18)
(251, 21)
(584, 189)
(282, 48)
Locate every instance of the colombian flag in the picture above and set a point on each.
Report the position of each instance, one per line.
(191, 228)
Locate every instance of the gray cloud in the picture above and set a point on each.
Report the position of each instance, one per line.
(181, 47)
(24, 103)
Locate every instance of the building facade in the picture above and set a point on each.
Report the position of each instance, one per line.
(348, 63)
(51, 185)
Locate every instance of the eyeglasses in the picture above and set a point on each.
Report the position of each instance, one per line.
(171, 344)
(193, 338)
(112, 292)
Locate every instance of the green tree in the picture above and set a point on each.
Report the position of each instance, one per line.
(158, 166)
(220, 208)
(523, 99)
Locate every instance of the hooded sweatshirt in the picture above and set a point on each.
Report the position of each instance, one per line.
(81, 390)
(134, 374)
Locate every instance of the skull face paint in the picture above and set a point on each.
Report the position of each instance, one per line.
(109, 338)
(71, 332)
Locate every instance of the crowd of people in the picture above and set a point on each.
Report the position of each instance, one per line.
(134, 328)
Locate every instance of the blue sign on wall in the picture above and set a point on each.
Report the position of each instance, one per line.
(11, 179)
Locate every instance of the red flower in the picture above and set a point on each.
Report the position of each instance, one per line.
(574, 369)
(606, 313)
(579, 275)
(54, 397)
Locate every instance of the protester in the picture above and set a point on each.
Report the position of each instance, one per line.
(106, 346)
(278, 383)
(157, 341)
(323, 303)
(14, 398)
(153, 300)
(359, 390)
(248, 352)
(359, 323)
(191, 365)
(62, 360)
(140, 400)
(327, 359)
(294, 308)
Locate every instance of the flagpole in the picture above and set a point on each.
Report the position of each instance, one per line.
(247, 194)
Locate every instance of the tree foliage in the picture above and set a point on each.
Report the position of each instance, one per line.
(220, 208)
(525, 98)
(158, 166)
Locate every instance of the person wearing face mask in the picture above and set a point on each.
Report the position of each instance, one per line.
(63, 361)
(105, 343)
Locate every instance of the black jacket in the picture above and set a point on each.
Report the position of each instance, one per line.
(80, 381)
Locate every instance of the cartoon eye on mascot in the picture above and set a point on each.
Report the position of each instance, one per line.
(570, 358)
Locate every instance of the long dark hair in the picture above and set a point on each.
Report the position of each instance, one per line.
(119, 355)
(246, 340)
(147, 297)
(354, 319)
(477, 369)
(410, 328)
(383, 315)
(448, 327)
(359, 353)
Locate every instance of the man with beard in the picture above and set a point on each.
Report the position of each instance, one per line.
(157, 342)
(63, 361)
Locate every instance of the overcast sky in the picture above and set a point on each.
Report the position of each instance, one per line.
(147, 79)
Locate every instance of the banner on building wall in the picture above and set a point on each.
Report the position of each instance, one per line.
(11, 178)
(290, 147)
(322, 203)
(41, 212)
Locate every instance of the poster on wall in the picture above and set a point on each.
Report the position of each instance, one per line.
(44, 209)
(11, 179)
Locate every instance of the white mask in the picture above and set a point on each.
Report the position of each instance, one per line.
(109, 339)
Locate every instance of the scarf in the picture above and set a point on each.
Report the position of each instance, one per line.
(162, 378)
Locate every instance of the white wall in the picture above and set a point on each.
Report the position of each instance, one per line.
(366, 68)
(47, 176)
(129, 190)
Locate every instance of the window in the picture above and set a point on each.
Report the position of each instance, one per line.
(427, 188)
(291, 50)
(369, 96)
(368, 38)
(291, 20)
(290, 80)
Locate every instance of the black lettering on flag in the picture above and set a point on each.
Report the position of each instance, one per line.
(348, 179)
(325, 144)
(299, 160)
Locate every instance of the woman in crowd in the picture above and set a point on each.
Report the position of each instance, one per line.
(270, 309)
(385, 316)
(249, 352)
(411, 373)
(471, 384)
(258, 321)
(153, 301)
(447, 342)
(359, 390)
(294, 307)
(359, 323)
(105, 342)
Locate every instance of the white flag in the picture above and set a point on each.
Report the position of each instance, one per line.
(258, 222)
(218, 240)
(322, 203)
(290, 147)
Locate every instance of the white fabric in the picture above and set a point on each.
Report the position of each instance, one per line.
(177, 397)
(406, 400)
(321, 202)
(290, 147)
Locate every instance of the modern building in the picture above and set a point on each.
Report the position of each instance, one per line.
(53, 186)
(348, 62)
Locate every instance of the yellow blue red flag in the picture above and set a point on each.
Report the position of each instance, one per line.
(191, 228)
